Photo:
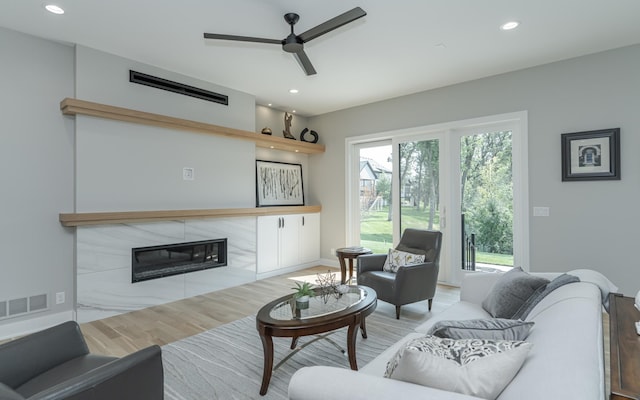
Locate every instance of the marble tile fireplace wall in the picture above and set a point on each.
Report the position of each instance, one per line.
(104, 285)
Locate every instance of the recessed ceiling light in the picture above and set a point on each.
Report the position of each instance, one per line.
(293, 111)
(52, 8)
(510, 25)
(293, 91)
(269, 104)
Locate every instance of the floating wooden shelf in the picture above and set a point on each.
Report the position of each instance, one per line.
(121, 217)
(74, 106)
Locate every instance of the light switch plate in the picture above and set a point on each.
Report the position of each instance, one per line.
(540, 211)
(188, 174)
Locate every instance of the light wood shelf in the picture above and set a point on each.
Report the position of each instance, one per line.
(71, 106)
(121, 217)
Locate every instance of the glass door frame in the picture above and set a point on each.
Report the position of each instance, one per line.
(449, 135)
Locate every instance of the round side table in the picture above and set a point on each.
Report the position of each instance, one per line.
(349, 253)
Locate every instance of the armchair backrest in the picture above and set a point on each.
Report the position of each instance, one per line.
(421, 241)
(39, 352)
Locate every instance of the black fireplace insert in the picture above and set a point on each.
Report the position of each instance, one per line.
(178, 258)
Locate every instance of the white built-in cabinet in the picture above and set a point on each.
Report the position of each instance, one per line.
(286, 241)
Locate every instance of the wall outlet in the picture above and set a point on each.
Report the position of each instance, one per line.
(60, 298)
(188, 174)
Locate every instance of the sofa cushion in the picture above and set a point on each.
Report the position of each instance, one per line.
(461, 366)
(541, 293)
(397, 258)
(491, 329)
(510, 292)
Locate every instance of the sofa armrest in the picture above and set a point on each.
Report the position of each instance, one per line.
(370, 262)
(137, 376)
(476, 286)
(311, 383)
(29, 356)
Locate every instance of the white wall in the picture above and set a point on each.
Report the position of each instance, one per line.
(592, 224)
(36, 173)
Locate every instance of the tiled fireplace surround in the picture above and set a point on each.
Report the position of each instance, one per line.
(104, 285)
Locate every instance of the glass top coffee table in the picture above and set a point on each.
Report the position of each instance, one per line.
(282, 318)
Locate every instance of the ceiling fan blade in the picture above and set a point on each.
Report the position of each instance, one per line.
(304, 62)
(332, 24)
(241, 38)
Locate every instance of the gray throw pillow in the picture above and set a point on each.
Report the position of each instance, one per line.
(486, 329)
(541, 293)
(511, 290)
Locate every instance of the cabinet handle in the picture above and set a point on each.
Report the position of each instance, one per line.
(283, 222)
(303, 220)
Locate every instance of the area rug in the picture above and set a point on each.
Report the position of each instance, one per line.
(226, 362)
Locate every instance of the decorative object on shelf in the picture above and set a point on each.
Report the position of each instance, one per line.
(328, 286)
(591, 156)
(287, 126)
(266, 131)
(312, 133)
(304, 291)
(278, 184)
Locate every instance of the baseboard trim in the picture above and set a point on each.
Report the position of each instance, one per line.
(24, 327)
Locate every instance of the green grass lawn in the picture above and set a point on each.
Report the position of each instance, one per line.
(376, 233)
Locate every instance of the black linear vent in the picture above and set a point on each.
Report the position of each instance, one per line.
(159, 83)
(179, 258)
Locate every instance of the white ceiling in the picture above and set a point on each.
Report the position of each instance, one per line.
(400, 47)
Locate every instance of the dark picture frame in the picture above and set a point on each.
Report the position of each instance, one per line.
(279, 184)
(591, 155)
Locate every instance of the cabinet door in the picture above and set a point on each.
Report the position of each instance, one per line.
(289, 241)
(268, 230)
(309, 237)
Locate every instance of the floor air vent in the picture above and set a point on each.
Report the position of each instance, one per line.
(164, 84)
(23, 305)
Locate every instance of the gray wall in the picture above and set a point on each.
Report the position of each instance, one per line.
(129, 167)
(36, 170)
(592, 224)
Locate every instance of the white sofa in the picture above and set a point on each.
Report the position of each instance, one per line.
(565, 362)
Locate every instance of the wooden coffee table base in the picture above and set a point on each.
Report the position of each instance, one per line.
(353, 319)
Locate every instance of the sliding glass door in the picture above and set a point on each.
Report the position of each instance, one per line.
(468, 181)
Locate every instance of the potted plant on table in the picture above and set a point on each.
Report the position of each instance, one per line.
(304, 291)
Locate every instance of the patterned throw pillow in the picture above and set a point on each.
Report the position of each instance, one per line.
(396, 259)
(481, 368)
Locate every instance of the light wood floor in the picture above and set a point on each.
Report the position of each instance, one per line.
(126, 333)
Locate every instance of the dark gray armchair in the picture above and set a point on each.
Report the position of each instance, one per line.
(410, 283)
(55, 364)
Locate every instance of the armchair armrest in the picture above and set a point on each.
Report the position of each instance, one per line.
(136, 376)
(24, 358)
(417, 281)
(6, 393)
(370, 262)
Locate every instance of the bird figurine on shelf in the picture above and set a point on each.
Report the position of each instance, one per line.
(287, 126)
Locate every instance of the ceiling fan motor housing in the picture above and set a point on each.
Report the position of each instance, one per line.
(292, 44)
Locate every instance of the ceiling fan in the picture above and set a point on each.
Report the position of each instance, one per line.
(295, 43)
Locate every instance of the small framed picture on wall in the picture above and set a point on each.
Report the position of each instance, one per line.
(278, 184)
(591, 155)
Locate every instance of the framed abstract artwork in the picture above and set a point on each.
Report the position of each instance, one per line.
(591, 155)
(278, 184)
